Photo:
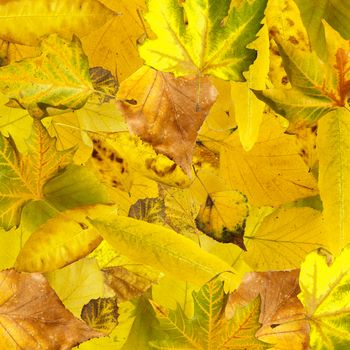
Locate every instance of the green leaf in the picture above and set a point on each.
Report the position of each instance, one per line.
(25, 21)
(23, 176)
(161, 248)
(335, 12)
(208, 328)
(101, 314)
(57, 78)
(325, 293)
(212, 42)
(78, 283)
(333, 147)
(314, 89)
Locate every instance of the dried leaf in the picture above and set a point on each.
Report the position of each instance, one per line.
(32, 316)
(166, 112)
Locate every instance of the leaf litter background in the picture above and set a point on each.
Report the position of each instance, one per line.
(174, 174)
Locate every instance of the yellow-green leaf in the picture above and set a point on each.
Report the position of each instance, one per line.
(162, 249)
(212, 42)
(57, 78)
(333, 147)
(325, 286)
(26, 22)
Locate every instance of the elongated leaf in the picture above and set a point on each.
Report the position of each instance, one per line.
(57, 78)
(32, 316)
(333, 147)
(60, 241)
(284, 238)
(25, 21)
(162, 249)
(335, 12)
(325, 286)
(208, 328)
(204, 45)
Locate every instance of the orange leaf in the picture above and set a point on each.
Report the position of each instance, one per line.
(33, 317)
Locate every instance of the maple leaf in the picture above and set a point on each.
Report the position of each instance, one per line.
(19, 21)
(335, 12)
(208, 328)
(325, 286)
(23, 177)
(316, 88)
(57, 78)
(212, 41)
(282, 314)
(32, 316)
(166, 112)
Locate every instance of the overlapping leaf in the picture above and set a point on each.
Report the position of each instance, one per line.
(325, 286)
(33, 317)
(208, 328)
(57, 78)
(212, 41)
(167, 112)
(26, 22)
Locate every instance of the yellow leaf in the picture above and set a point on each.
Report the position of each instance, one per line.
(284, 238)
(248, 109)
(26, 22)
(333, 147)
(162, 249)
(60, 241)
(270, 174)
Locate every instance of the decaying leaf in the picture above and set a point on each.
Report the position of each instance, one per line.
(32, 317)
(270, 174)
(101, 314)
(282, 314)
(104, 83)
(202, 37)
(127, 284)
(209, 328)
(56, 79)
(223, 217)
(167, 112)
(325, 286)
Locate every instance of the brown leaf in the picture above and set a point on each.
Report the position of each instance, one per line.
(126, 284)
(32, 317)
(282, 314)
(166, 111)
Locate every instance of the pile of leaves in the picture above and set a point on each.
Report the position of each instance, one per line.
(174, 175)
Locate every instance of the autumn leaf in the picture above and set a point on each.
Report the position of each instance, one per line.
(332, 149)
(166, 112)
(270, 174)
(32, 316)
(162, 249)
(25, 22)
(284, 238)
(57, 78)
(114, 45)
(335, 12)
(324, 284)
(282, 314)
(101, 314)
(212, 41)
(23, 177)
(317, 88)
(208, 328)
